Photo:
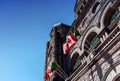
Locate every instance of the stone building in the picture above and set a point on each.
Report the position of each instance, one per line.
(54, 50)
(96, 54)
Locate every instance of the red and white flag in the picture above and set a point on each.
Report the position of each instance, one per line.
(48, 73)
(47, 76)
(65, 48)
(71, 40)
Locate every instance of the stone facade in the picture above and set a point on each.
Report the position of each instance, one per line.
(98, 48)
(54, 50)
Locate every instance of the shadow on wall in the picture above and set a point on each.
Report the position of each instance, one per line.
(108, 59)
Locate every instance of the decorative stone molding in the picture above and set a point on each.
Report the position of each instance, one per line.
(111, 73)
(119, 24)
(104, 14)
(92, 29)
(76, 50)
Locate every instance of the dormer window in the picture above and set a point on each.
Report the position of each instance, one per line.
(96, 7)
(81, 7)
(78, 12)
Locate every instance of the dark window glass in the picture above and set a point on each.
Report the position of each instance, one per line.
(96, 7)
(114, 16)
(118, 79)
(75, 60)
(93, 40)
(90, 41)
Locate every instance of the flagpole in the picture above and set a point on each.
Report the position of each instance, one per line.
(60, 76)
(61, 69)
(62, 73)
(58, 67)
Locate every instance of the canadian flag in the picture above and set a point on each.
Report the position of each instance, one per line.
(71, 40)
(49, 71)
(47, 76)
(65, 48)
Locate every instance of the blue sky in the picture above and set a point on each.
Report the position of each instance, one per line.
(24, 30)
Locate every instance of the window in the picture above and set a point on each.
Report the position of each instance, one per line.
(96, 7)
(118, 79)
(86, 21)
(90, 41)
(84, 2)
(81, 7)
(75, 60)
(114, 16)
(78, 12)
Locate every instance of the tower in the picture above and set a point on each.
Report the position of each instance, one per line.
(54, 50)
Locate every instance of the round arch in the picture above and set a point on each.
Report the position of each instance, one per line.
(96, 7)
(117, 78)
(76, 50)
(74, 60)
(113, 74)
(74, 57)
(103, 15)
(94, 29)
(107, 13)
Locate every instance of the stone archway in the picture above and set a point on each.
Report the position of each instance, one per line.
(112, 75)
(117, 78)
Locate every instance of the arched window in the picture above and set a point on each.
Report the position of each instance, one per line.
(90, 41)
(111, 16)
(75, 60)
(78, 13)
(96, 7)
(114, 15)
(118, 79)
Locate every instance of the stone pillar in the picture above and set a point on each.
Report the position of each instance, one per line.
(106, 34)
(101, 39)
